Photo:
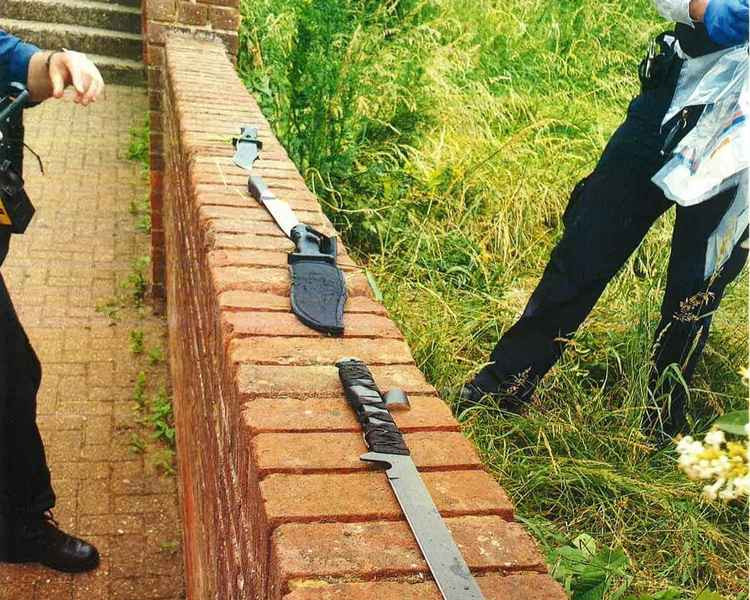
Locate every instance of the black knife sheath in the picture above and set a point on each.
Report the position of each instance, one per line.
(318, 293)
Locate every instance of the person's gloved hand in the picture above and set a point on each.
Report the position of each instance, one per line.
(727, 21)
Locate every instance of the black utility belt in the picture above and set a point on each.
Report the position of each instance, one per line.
(656, 66)
(16, 209)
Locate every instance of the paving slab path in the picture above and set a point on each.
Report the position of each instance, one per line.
(73, 258)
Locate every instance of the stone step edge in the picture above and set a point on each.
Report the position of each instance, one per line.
(124, 9)
(10, 24)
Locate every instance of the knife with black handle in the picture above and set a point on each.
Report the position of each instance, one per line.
(388, 449)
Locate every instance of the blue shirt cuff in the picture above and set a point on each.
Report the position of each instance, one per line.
(18, 67)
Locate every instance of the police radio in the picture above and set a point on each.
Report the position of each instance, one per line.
(16, 209)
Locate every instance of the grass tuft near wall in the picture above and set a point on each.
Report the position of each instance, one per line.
(443, 138)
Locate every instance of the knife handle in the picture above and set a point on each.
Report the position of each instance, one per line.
(306, 240)
(380, 432)
(257, 187)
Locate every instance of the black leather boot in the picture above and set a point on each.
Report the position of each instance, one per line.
(38, 539)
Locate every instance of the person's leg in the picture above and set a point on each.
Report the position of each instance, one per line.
(29, 486)
(607, 217)
(709, 249)
(4, 378)
(4, 501)
(33, 536)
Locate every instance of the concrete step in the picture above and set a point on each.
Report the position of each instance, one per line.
(91, 40)
(136, 3)
(120, 70)
(87, 13)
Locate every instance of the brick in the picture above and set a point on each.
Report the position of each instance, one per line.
(262, 415)
(53, 590)
(154, 57)
(156, 160)
(321, 382)
(158, 32)
(147, 588)
(368, 496)
(340, 452)
(249, 241)
(154, 97)
(261, 227)
(263, 302)
(227, 19)
(154, 74)
(262, 258)
(156, 141)
(80, 470)
(273, 155)
(109, 524)
(130, 504)
(517, 586)
(190, 13)
(155, 123)
(243, 324)
(256, 221)
(388, 549)
(161, 10)
(234, 3)
(317, 351)
(253, 212)
(16, 590)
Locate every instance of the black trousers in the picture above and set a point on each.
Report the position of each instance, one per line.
(24, 477)
(609, 214)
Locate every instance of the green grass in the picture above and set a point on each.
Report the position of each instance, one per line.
(443, 139)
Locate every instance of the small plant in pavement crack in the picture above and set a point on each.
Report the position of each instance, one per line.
(136, 341)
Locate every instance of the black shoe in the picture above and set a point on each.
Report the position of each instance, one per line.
(471, 395)
(38, 539)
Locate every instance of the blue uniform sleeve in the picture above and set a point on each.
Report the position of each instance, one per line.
(727, 21)
(14, 59)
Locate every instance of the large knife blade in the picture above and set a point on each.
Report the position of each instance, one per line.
(247, 148)
(388, 449)
(279, 210)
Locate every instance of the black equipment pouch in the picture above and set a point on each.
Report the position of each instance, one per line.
(655, 67)
(16, 209)
(318, 292)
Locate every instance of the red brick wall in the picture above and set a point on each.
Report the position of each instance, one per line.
(276, 503)
(216, 19)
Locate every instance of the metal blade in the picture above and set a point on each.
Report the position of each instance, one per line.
(281, 213)
(448, 567)
(280, 210)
